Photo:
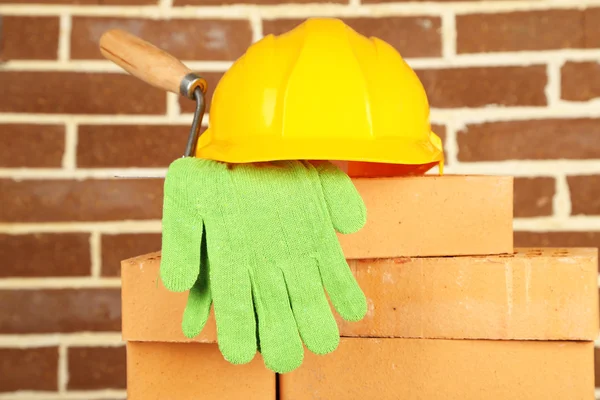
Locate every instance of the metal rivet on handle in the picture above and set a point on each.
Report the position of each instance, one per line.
(189, 83)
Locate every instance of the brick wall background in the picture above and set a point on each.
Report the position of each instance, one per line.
(514, 87)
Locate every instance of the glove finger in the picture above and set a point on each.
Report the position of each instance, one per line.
(346, 295)
(196, 311)
(344, 203)
(199, 301)
(234, 312)
(182, 229)
(180, 256)
(280, 343)
(315, 320)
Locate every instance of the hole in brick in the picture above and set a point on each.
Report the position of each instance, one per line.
(534, 253)
(506, 255)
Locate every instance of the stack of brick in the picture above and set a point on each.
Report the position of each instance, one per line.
(455, 312)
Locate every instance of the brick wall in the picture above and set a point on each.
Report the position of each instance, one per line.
(514, 86)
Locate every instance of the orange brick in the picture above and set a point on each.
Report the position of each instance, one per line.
(149, 311)
(545, 294)
(433, 216)
(535, 294)
(418, 369)
(189, 371)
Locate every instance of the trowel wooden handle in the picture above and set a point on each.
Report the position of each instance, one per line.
(149, 63)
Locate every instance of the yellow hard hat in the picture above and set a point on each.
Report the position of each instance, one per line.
(321, 91)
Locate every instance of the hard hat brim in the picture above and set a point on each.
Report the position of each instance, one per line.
(381, 150)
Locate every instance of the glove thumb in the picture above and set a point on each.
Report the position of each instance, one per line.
(182, 226)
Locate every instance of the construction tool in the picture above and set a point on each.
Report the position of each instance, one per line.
(159, 69)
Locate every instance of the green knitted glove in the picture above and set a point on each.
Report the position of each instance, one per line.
(272, 250)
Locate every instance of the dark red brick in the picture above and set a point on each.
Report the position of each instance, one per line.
(591, 16)
(519, 31)
(45, 255)
(186, 39)
(485, 86)
(116, 146)
(533, 197)
(97, 368)
(585, 194)
(31, 145)
(411, 36)
(580, 81)
(60, 310)
(33, 369)
(87, 200)
(78, 93)
(116, 248)
(23, 38)
(530, 140)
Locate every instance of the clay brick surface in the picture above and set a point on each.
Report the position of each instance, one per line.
(597, 367)
(86, 200)
(557, 239)
(18, 141)
(29, 369)
(479, 207)
(547, 294)
(535, 294)
(483, 86)
(415, 369)
(123, 146)
(487, 199)
(572, 139)
(517, 31)
(592, 28)
(260, 2)
(580, 81)
(411, 36)
(45, 254)
(183, 371)
(88, 93)
(83, 2)
(23, 38)
(533, 197)
(116, 248)
(94, 368)
(416, 1)
(584, 199)
(107, 113)
(189, 39)
(60, 310)
(150, 311)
